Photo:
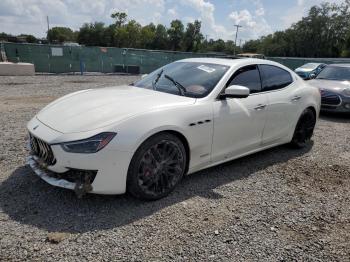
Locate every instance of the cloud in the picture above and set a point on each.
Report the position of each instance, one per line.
(217, 17)
(242, 17)
(172, 12)
(252, 26)
(206, 11)
(29, 16)
(260, 11)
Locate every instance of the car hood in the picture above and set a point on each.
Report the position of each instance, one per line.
(95, 108)
(331, 85)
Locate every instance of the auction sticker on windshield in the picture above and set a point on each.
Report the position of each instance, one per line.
(206, 68)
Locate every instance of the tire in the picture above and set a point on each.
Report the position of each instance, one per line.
(304, 129)
(157, 167)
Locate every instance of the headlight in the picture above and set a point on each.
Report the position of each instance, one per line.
(89, 145)
(346, 92)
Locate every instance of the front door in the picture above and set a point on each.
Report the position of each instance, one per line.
(239, 123)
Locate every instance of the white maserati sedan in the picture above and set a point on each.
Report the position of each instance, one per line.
(184, 117)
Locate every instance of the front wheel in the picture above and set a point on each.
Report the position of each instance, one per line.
(157, 167)
(304, 129)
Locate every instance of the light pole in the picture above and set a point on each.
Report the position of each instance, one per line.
(48, 29)
(237, 26)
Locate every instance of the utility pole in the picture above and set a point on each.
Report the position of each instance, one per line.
(237, 26)
(48, 28)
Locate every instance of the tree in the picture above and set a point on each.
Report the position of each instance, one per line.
(161, 38)
(147, 36)
(120, 18)
(176, 33)
(128, 35)
(346, 49)
(192, 37)
(29, 38)
(94, 34)
(61, 34)
(252, 46)
(322, 33)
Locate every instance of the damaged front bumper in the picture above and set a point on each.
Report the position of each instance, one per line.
(78, 180)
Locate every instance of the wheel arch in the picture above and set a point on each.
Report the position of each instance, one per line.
(313, 109)
(180, 135)
(185, 143)
(294, 142)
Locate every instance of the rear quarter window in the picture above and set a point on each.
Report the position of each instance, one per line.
(274, 78)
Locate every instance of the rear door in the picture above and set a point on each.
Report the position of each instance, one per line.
(283, 103)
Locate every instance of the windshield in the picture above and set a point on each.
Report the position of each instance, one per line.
(335, 73)
(189, 79)
(309, 66)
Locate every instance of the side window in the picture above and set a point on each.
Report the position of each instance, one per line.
(247, 76)
(274, 77)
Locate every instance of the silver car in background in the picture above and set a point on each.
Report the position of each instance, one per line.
(334, 85)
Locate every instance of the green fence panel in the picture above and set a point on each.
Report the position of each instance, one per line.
(66, 59)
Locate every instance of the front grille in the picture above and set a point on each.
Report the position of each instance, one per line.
(330, 98)
(42, 149)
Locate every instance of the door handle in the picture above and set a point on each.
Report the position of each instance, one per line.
(260, 107)
(296, 98)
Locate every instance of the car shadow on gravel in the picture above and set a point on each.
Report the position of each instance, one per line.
(29, 200)
(335, 117)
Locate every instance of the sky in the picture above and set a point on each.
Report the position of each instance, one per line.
(218, 17)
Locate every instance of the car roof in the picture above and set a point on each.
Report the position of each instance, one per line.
(249, 54)
(230, 62)
(316, 64)
(341, 65)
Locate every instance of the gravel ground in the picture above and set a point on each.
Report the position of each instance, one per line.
(277, 205)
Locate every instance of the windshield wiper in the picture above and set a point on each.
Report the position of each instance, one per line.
(154, 83)
(181, 88)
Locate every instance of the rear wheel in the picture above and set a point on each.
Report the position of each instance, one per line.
(157, 167)
(304, 129)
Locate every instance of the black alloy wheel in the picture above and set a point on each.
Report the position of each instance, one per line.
(157, 167)
(304, 129)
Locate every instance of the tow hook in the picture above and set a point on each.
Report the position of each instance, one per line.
(83, 185)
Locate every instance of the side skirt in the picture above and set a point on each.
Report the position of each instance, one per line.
(193, 170)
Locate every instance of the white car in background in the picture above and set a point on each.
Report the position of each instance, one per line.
(184, 117)
(309, 70)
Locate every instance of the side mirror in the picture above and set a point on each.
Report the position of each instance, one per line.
(236, 92)
(143, 76)
(313, 76)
